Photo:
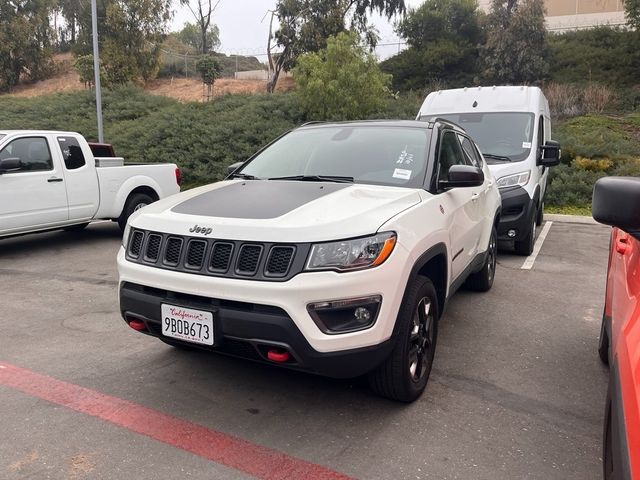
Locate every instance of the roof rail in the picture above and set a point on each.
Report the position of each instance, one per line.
(441, 120)
(312, 122)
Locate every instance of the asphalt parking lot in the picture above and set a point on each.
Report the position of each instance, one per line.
(517, 389)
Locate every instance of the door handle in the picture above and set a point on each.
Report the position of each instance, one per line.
(54, 180)
(475, 197)
(622, 243)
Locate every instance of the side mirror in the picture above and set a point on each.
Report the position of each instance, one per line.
(10, 165)
(549, 154)
(462, 176)
(233, 167)
(616, 202)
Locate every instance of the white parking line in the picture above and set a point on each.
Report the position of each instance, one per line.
(528, 263)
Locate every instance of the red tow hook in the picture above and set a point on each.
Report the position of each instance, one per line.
(277, 355)
(137, 325)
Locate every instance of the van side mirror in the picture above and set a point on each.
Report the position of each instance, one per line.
(462, 176)
(616, 202)
(10, 165)
(549, 154)
(233, 167)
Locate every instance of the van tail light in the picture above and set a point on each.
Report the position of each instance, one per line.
(178, 176)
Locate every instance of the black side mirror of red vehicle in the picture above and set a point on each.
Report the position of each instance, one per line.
(616, 202)
(550, 154)
(10, 165)
(462, 176)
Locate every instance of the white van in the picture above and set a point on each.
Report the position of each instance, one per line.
(512, 127)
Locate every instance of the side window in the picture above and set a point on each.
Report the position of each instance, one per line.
(33, 153)
(469, 151)
(541, 131)
(449, 154)
(71, 153)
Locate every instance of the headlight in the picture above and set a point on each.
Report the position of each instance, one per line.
(352, 254)
(125, 236)
(516, 180)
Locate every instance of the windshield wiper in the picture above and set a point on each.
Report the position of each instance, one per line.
(497, 157)
(245, 176)
(316, 178)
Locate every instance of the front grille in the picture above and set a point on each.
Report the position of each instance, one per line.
(248, 259)
(172, 253)
(279, 261)
(218, 257)
(136, 244)
(195, 254)
(153, 247)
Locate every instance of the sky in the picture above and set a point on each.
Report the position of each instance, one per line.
(244, 26)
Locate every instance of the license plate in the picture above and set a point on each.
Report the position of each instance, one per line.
(195, 326)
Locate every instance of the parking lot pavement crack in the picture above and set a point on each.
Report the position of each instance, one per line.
(516, 402)
(9, 272)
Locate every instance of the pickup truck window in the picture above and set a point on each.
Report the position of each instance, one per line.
(33, 153)
(369, 154)
(71, 153)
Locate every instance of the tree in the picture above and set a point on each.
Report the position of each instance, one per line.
(632, 13)
(516, 49)
(25, 41)
(443, 38)
(305, 26)
(84, 66)
(209, 68)
(192, 36)
(130, 37)
(342, 81)
(202, 13)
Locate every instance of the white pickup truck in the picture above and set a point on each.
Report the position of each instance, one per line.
(51, 180)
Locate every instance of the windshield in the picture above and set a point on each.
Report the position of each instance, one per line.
(503, 134)
(369, 154)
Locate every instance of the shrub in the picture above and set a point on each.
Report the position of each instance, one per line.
(570, 100)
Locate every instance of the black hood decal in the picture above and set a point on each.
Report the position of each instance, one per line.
(257, 199)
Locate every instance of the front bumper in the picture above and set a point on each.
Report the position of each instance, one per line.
(518, 209)
(276, 312)
(249, 331)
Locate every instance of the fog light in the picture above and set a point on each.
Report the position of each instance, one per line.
(511, 233)
(342, 316)
(362, 314)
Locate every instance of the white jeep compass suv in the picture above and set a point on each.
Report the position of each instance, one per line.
(333, 250)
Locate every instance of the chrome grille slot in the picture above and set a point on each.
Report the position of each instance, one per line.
(248, 259)
(173, 250)
(136, 243)
(153, 247)
(220, 257)
(279, 261)
(195, 254)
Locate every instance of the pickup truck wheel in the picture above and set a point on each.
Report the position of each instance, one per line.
(133, 203)
(525, 246)
(482, 281)
(76, 228)
(403, 375)
(540, 216)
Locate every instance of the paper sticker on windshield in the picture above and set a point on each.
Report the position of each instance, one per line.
(405, 158)
(526, 144)
(401, 173)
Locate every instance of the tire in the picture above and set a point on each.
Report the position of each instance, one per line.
(76, 228)
(404, 374)
(607, 444)
(540, 215)
(524, 247)
(603, 343)
(482, 281)
(133, 203)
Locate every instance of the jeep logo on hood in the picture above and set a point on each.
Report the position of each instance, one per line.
(198, 229)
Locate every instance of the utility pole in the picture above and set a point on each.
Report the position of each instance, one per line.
(96, 68)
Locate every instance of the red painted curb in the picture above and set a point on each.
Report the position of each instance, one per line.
(256, 460)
